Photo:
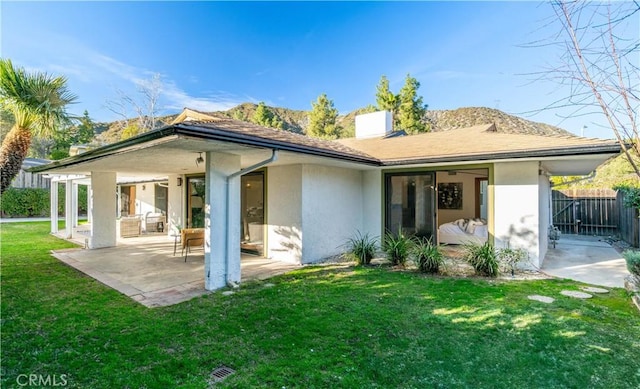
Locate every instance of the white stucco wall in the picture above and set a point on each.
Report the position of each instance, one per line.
(103, 209)
(372, 203)
(222, 220)
(175, 203)
(284, 213)
(145, 199)
(517, 207)
(331, 210)
(544, 188)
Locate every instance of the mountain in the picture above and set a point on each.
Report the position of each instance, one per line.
(472, 116)
(439, 120)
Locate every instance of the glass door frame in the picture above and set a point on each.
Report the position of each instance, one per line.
(187, 197)
(263, 174)
(386, 183)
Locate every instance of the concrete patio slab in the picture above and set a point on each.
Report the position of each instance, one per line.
(586, 259)
(146, 270)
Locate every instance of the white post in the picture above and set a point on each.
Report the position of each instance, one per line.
(53, 196)
(68, 209)
(222, 221)
(103, 210)
(74, 204)
(89, 204)
(175, 203)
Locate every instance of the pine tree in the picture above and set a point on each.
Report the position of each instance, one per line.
(84, 132)
(411, 108)
(264, 116)
(407, 107)
(322, 119)
(385, 99)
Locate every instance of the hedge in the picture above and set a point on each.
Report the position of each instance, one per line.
(26, 202)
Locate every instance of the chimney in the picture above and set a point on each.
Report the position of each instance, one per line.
(374, 124)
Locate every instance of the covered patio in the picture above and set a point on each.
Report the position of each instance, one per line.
(146, 269)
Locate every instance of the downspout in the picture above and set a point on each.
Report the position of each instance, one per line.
(273, 158)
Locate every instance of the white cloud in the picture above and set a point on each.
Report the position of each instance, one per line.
(176, 99)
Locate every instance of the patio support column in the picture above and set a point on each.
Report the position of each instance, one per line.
(222, 221)
(89, 203)
(103, 210)
(53, 197)
(74, 204)
(68, 209)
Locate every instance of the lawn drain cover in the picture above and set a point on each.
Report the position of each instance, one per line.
(221, 373)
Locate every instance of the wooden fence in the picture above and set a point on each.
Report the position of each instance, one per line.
(628, 222)
(586, 211)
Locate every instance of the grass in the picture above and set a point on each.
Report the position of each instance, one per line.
(317, 327)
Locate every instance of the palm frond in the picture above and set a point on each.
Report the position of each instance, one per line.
(37, 100)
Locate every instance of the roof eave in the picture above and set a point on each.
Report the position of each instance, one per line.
(104, 151)
(206, 133)
(584, 150)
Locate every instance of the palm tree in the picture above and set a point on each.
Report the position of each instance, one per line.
(37, 102)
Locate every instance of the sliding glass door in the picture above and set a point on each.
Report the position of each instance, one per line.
(252, 213)
(410, 203)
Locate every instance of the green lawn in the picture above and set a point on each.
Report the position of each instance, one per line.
(320, 327)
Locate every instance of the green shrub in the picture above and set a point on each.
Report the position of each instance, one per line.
(397, 247)
(24, 202)
(361, 248)
(427, 256)
(82, 199)
(483, 258)
(510, 258)
(633, 261)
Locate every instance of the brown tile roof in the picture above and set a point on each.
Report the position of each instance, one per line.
(474, 143)
(460, 145)
(237, 131)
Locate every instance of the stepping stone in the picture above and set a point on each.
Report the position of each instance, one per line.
(269, 285)
(228, 293)
(576, 294)
(543, 299)
(593, 289)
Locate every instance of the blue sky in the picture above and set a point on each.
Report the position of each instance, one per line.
(215, 55)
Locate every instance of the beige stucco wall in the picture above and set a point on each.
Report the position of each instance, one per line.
(468, 197)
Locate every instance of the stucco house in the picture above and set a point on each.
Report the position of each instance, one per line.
(293, 198)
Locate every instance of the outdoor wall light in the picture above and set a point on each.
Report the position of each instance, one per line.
(199, 160)
(179, 183)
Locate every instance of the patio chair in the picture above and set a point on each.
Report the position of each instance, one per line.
(191, 237)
